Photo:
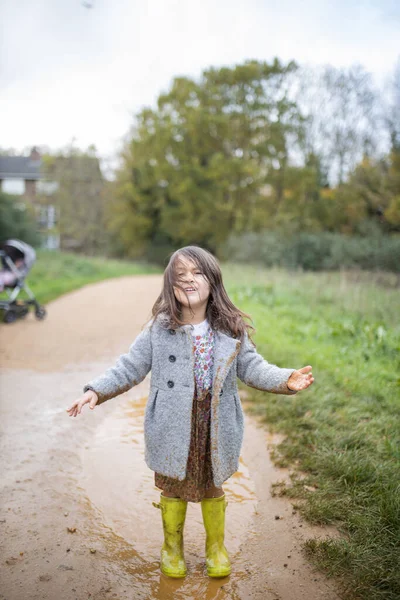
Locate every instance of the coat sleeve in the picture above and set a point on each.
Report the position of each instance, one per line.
(129, 370)
(256, 372)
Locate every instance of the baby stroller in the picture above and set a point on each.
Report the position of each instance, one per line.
(17, 259)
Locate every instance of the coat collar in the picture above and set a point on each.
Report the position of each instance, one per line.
(225, 344)
(226, 348)
(224, 338)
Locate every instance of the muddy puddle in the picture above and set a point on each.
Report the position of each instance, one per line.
(121, 486)
(76, 514)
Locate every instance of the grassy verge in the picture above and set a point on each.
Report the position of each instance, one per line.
(56, 273)
(344, 431)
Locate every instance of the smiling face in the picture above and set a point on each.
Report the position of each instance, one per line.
(197, 271)
(194, 289)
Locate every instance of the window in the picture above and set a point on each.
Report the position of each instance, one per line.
(46, 187)
(13, 186)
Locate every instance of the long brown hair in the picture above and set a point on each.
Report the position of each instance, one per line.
(221, 313)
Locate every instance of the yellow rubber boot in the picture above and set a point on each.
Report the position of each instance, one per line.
(217, 559)
(173, 513)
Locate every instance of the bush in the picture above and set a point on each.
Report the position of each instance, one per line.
(17, 221)
(314, 251)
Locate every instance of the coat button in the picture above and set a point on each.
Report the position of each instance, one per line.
(172, 358)
(170, 384)
(172, 331)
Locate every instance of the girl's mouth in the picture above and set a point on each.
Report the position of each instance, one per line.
(190, 290)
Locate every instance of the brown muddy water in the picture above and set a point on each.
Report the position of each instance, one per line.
(76, 514)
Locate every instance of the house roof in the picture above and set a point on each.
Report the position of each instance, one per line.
(19, 167)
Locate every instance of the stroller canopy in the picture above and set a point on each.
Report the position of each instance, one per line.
(26, 249)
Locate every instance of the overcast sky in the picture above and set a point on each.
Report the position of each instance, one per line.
(67, 71)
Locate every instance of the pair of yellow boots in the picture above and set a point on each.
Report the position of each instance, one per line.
(173, 512)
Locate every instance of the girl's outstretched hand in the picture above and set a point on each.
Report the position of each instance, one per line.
(300, 379)
(75, 408)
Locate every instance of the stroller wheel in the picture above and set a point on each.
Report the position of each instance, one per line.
(40, 313)
(10, 316)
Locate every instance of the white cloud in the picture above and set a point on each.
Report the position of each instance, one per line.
(73, 72)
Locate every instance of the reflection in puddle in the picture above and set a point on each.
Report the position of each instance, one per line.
(121, 486)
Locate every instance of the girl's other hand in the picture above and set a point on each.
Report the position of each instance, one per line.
(75, 408)
(300, 379)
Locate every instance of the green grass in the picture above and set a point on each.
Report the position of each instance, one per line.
(344, 431)
(56, 273)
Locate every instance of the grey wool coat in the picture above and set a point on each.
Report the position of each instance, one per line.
(168, 353)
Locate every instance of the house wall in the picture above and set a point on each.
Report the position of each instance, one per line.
(30, 189)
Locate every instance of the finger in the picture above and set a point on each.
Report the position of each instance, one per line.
(82, 403)
(73, 405)
(305, 369)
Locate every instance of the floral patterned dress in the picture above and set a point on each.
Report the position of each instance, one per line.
(199, 476)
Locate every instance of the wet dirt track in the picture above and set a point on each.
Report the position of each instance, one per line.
(76, 514)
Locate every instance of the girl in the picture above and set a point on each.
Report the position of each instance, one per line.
(196, 345)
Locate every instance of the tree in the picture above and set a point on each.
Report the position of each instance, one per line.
(369, 200)
(341, 109)
(79, 199)
(193, 169)
(17, 220)
(392, 109)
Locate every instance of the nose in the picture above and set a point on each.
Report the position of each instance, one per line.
(189, 282)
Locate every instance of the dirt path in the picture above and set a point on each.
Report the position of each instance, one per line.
(76, 514)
